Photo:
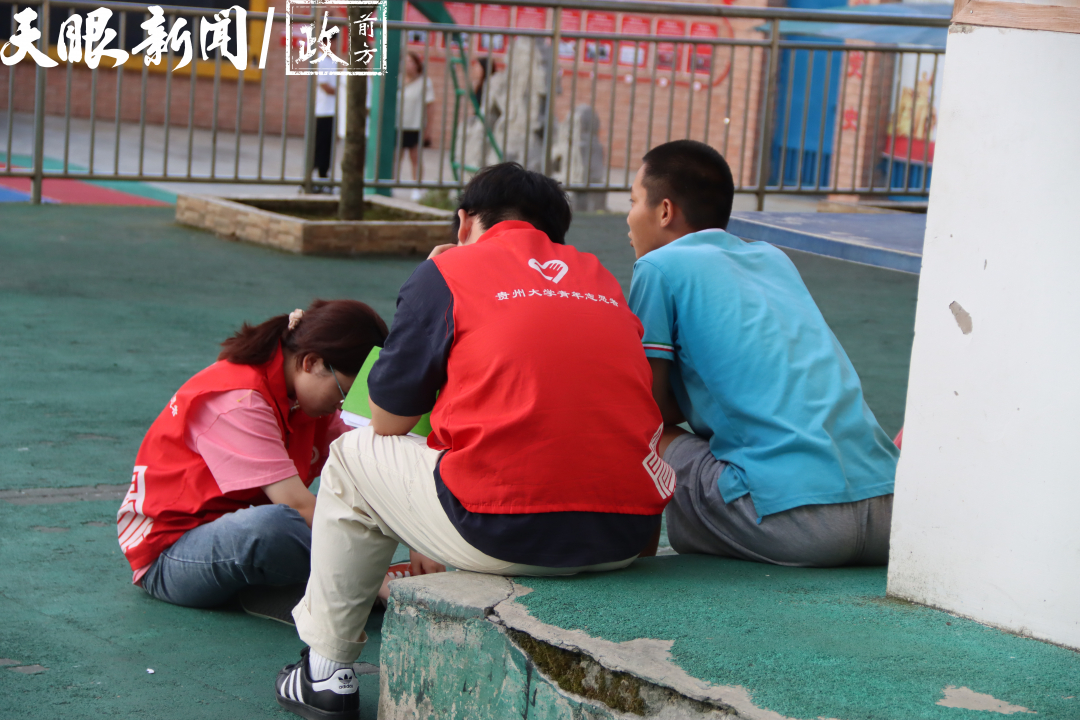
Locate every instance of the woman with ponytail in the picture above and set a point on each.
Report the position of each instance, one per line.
(219, 497)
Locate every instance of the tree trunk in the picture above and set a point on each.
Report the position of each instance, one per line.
(351, 205)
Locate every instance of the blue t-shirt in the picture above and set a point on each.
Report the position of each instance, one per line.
(758, 373)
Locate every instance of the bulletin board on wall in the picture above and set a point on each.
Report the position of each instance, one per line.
(691, 62)
(1054, 15)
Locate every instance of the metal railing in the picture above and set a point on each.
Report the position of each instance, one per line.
(792, 116)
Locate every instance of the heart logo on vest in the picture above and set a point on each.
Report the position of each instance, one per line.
(558, 266)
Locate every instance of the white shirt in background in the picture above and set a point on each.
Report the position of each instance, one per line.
(418, 93)
(325, 103)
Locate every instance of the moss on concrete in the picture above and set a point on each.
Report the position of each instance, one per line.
(578, 674)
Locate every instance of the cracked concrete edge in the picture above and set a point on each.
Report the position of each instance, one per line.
(646, 658)
(466, 595)
(456, 594)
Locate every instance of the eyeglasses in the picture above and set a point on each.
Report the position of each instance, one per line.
(337, 383)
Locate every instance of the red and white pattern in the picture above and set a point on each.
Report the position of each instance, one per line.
(662, 474)
(132, 526)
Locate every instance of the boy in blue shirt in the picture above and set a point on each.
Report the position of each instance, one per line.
(786, 463)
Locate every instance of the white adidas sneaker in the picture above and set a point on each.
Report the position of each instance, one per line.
(336, 698)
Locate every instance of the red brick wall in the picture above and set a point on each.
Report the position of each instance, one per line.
(180, 90)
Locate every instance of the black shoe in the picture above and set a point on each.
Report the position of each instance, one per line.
(336, 698)
(272, 603)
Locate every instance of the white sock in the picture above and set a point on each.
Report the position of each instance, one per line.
(322, 667)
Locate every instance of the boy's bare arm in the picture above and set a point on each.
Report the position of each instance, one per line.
(387, 423)
(661, 390)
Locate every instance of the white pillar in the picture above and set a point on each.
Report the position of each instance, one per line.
(987, 515)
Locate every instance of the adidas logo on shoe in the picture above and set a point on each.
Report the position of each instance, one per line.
(335, 698)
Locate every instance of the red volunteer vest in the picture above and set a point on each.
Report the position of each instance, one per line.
(548, 404)
(172, 489)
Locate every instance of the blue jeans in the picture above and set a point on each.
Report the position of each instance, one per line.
(262, 545)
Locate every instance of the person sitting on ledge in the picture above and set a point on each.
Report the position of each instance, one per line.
(542, 459)
(219, 498)
(786, 463)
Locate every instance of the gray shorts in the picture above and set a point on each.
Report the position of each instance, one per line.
(699, 521)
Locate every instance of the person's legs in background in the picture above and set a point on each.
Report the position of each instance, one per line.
(410, 146)
(262, 545)
(324, 147)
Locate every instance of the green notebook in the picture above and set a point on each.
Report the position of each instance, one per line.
(356, 410)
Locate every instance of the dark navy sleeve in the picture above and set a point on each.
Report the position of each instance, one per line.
(411, 368)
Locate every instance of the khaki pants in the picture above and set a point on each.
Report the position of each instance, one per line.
(375, 492)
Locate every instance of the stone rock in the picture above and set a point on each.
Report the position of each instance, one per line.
(577, 157)
(515, 109)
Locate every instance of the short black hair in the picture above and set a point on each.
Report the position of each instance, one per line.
(693, 176)
(508, 191)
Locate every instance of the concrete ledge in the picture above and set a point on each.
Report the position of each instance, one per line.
(449, 652)
(700, 637)
(258, 220)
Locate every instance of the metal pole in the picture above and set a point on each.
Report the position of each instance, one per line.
(858, 125)
(653, 49)
(511, 48)
(838, 132)
(671, 94)
(10, 103)
(528, 106)
(572, 108)
(191, 113)
(793, 59)
(730, 89)
(805, 118)
(142, 113)
(262, 122)
(746, 116)
(549, 121)
(929, 126)
(709, 93)
(239, 121)
(67, 108)
(309, 133)
(767, 123)
(894, 115)
(633, 109)
(119, 96)
(424, 119)
(39, 113)
(168, 104)
(611, 118)
(214, 117)
(447, 69)
(818, 166)
(285, 125)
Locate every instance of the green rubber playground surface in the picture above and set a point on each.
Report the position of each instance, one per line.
(812, 643)
(104, 312)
